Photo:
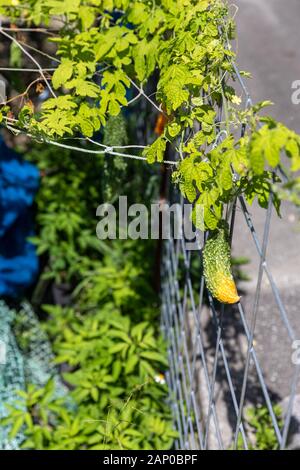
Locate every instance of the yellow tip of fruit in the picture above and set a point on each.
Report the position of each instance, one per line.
(227, 292)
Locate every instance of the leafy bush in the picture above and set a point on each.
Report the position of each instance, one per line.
(115, 402)
(261, 432)
(261, 423)
(106, 342)
(113, 364)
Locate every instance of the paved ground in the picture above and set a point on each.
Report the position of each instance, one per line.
(268, 47)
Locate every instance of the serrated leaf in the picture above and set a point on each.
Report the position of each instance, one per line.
(210, 219)
(145, 55)
(138, 13)
(198, 216)
(114, 107)
(176, 96)
(84, 87)
(61, 102)
(63, 73)
(87, 16)
(189, 190)
(86, 127)
(174, 129)
(257, 160)
(197, 101)
(225, 178)
(155, 153)
(271, 152)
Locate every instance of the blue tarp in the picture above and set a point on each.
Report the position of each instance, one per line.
(19, 181)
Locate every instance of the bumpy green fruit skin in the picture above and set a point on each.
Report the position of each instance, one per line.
(217, 268)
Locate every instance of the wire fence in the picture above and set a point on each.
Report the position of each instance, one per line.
(210, 377)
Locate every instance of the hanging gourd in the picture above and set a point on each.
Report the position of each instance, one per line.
(217, 268)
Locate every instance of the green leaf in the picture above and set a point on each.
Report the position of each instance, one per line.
(293, 150)
(146, 368)
(86, 127)
(87, 16)
(84, 87)
(118, 348)
(174, 129)
(257, 160)
(210, 219)
(15, 58)
(114, 107)
(189, 191)
(261, 105)
(138, 13)
(145, 56)
(155, 153)
(271, 152)
(106, 42)
(176, 95)
(154, 356)
(130, 364)
(225, 178)
(197, 101)
(95, 393)
(121, 335)
(18, 423)
(61, 102)
(63, 73)
(137, 330)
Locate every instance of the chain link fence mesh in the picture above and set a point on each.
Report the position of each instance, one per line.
(215, 372)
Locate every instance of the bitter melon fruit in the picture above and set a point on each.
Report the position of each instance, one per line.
(217, 268)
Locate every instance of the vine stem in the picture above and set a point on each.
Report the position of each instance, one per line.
(24, 93)
(117, 146)
(11, 69)
(227, 121)
(107, 150)
(44, 54)
(141, 91)
(31, 30)
(11, 38)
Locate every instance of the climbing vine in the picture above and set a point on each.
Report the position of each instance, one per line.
(106, 53)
